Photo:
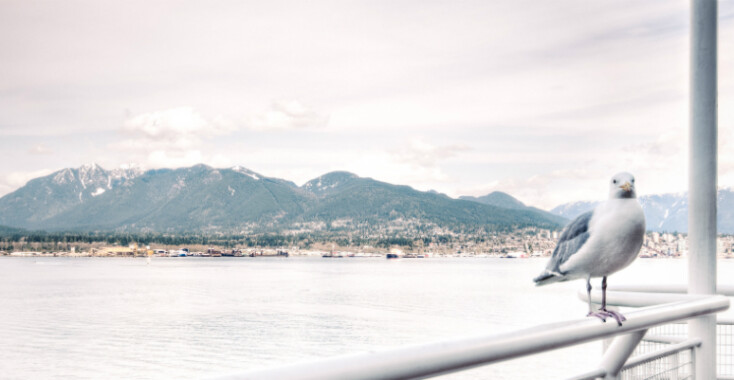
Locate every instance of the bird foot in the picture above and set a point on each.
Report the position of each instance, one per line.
(603, 314)
(616, 315)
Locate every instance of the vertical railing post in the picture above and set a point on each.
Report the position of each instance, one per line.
(618, 352)
(702, 177)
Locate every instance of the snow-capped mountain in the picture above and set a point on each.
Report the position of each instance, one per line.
(92, 180)
(665, 212)
(45, 197)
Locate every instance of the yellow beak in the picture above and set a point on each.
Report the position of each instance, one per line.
(626, 187)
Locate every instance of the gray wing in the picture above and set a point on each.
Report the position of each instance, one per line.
(573, 237)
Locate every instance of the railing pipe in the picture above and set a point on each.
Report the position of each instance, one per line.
(618, 352)
(637, 299)
(664, 339)
(591, 375)
(426, 360)
(723, 289)
(702, 177)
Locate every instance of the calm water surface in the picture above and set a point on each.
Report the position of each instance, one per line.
(90, 318)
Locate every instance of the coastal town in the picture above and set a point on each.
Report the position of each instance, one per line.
(520, 244)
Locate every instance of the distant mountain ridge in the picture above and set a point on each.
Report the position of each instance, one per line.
(201, 198)
(497, 198)
(504, 200)
(665, 212)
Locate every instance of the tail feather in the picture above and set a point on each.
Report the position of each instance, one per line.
(548, 277)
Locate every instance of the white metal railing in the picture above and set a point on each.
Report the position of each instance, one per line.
(637, 367)
(427, 360)
(675, 362)
(664, 337)
(723, 289)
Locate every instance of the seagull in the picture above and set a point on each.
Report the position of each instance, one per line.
(600, 242)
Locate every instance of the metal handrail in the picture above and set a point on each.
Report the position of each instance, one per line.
(426, 360)
(647, 295)
(641, 359)
(723, 289)
(638, 298)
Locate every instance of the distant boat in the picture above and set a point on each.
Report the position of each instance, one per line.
(392, 256)
(332, 253)
(269, 253)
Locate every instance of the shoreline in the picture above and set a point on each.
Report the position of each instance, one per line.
(315, 255)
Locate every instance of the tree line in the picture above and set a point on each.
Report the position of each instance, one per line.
(34, 240)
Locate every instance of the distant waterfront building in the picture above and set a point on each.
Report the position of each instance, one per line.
(114, 251)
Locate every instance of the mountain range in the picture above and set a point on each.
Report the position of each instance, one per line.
(206, 199)
(666, 212)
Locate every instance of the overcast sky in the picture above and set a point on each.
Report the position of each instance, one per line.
(544, 100)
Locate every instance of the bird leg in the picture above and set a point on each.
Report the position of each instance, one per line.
(588, 294)
(610, 313)
(601, 315)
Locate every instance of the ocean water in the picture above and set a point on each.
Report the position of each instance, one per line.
(192, 318)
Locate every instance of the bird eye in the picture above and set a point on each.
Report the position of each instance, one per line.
(614, 181)
(633, 180)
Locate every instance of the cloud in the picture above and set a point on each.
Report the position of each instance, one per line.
(183, 136)
(173, 159)
(170, 138)
(40, 149)
(419, 152)
(287, 114)
(182, 123)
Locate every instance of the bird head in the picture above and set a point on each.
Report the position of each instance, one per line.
(622, 185)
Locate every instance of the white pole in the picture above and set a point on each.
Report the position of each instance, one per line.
(702, 178)
(619, 351)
